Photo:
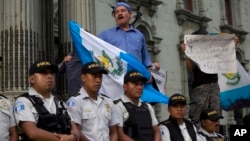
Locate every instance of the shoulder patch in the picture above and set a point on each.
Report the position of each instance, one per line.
(71, 102)
(3, 104)
(19, 106)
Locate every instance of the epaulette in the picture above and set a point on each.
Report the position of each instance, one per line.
(104, 95)
(75, 94)
(57, 94)
(3, 96)
(22, 95)
(117, 101)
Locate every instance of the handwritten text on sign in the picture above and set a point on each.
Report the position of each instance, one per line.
(212, 53)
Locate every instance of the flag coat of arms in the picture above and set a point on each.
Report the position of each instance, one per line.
(90, 48)
(234, 89)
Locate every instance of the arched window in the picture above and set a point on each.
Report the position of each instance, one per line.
(151, 40)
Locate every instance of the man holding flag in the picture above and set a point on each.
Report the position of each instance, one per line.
(126, 37)
(118, 55)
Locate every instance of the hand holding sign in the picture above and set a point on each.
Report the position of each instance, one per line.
(212, 53)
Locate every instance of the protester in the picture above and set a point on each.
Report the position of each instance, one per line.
(205, 88)
(72, 65)
(176, 127)
(7, 121)
(39, 114)
(93, 113)
(209, 121)
(136, 119)
(126, 37)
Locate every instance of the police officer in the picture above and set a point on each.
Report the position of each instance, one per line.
(177, 128)
(209, 121)
(8, 128)
(136, 119)
(93, 112)
(39, 114)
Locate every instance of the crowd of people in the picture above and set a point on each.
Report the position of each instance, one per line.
(91, 116)
(87, 115)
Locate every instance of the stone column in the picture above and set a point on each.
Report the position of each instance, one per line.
(80, 11)
(201, 8)
(22, 41)
(223, 13)
(179, 4)
(1, 76)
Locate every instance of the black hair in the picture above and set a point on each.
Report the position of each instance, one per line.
(200, 31)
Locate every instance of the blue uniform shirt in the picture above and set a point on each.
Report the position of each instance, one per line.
(132, 41)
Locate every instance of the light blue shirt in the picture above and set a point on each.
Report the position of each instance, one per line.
(132, 41)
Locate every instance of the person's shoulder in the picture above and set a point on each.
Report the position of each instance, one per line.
(147, 104)
(22, 97)
(165, 122)
(138, 31)
(106, 98)
(117, 101)
(76, 94)
(222, 136)
(73, 98)
(163, 128)
(119, 104)
(3, 96)
(4, 100)
(188, 121)
(107, 30)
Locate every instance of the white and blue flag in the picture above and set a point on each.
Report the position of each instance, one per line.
(90, 48)
(234, 89)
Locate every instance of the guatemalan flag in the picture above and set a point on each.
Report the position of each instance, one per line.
(90, 48)
(234, 89)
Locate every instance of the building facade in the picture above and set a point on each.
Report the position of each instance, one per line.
(38, 29)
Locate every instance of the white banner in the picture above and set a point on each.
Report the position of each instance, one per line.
(212, 53)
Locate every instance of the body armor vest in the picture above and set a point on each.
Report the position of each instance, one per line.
(175, 132)
(56, 123)
(139, 124)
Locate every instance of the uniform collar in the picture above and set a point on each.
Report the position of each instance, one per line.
(214, 134)
(125, 99)
(33, 92)
(131, 27)
(84, 94)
